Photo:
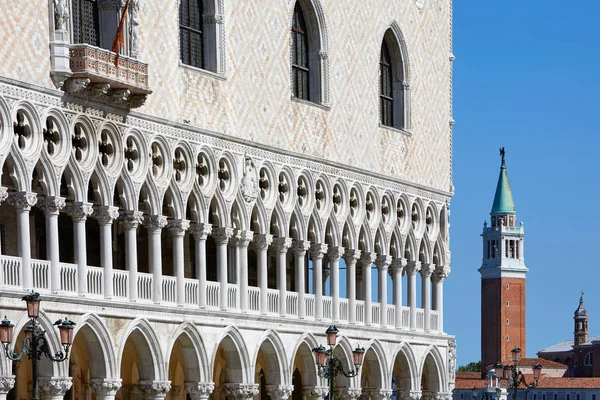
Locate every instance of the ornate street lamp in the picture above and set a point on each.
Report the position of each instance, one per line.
(516, 377)
(329, 365)
(35, 343)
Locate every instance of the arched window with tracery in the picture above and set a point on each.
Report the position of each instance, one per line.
(300, 67)
(386, 90)
(191, 33)
(394, 85)
(86, 23)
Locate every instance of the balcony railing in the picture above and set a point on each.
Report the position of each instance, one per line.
(10, 277)
(94, 74)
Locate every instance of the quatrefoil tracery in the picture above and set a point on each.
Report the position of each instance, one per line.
(51, 137)
(22, 130)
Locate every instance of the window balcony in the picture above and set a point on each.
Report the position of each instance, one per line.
(95, 75)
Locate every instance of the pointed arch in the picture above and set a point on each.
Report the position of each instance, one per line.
(432, 372)
(102, 361)
(349, 239)
(410, 245)
(314, 233)
(151, 364)
(274, 351)
(375, 357)
(405, 360)
(303, 350)
(194, 352)
(365, 240)
(332, 233)
(236, 351)
(297, 229)
(258, 219)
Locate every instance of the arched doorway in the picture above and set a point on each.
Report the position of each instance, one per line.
(401, 376)
(304, 373)
(430, 378)
(267, 369)
(228, 366)
(185, 366)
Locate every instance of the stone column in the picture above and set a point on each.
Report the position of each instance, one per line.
(441, 273)
(79, 211)
(199, 390)
(383, 263)
(381, 394)
(317, 251)
(200, 232)
(426, 271)
(241, 391)
(131, 221)
(243, 240)
(315, 392)
(412, 268)
(51, 207)
(262, 243)
(334, 255)
(154, 225)
(221, 236)
(106, 389)
(54, 388)
(351, 256)
(279, 392)
(177, 229)
(7, 382)
(350, 393)
(105, 216)
(22, 202)
(398, 265)
(282, 245)
(299, 247)
(3, 196)
(155, 390)
(367, 263)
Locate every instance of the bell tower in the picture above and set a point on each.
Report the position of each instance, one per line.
(581, 324)
(503, 274)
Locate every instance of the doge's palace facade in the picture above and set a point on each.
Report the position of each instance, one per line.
(244, 175)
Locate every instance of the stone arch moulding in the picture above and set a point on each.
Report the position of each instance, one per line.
(242, 350)
(188, 329)
(95, 324)
(282, 359)
(438, 360)
(146, 330)
(407, 352)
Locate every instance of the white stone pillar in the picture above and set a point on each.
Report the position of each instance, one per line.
(367, 262)
(51, 207)
(200, 232)
(3, 196)
(383, 263)
(106, 389)
(22, 202)
(221, 236)
(317, 251)
(241, 391)
(282, 245)
(131, 221)
(279, 392)
(412, 268)
(243, 239)
(7, 382)
(54, 388)
(262, 243)
(299, 247)
(351, 256)
(154, 225)
(155, 390)
(398, 265)
(426, 271)
(441, 273)
(105, 216)
(334, 254)
(79, 211)
(177, 229)
(199, 390)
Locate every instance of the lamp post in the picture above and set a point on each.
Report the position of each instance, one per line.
(329, 366)
(516, 377)
(35, 343)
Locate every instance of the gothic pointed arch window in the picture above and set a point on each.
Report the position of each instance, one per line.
(309, 53)
(86, 23)
(394, 86)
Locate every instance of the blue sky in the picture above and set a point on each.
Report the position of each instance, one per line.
(526, 77)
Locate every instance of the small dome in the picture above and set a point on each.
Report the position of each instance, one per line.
(581, 312)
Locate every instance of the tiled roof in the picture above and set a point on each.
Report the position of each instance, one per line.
(464, 383)
(566, 345)
(468, 375)
(529, 362)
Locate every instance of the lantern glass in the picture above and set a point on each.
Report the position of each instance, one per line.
(516, 354)
(358, 355)
(499, 370)
(331, 333)
(28, 332)
(537, 371)
(325, 358)
(6, 331)
(33, 304)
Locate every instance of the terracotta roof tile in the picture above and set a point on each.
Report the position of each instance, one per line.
(529, 362)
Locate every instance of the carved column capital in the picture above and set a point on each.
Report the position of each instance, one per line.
(381, 394)
(350, 393)
(300, 247)
(3, 193)
(282, 244)
(352, 255)
(131, 219)
(7, 382)
(315, 392)
(412, 267)
(155, 389)
(398, 264)
(22, 200)
(441, 273)
(427, 270)
(200, 231)
(368, 258)
(241, 391)
(106, 387)
(54, 386)
(263, 241)
(335, 253)
(51, 205)
(178, 227)
(279, 392)
(242, 238)
(383, 262)
(155, 222)
(80, 210)
(222, 235)
(318, 250)
(199, 390)
(106, 214)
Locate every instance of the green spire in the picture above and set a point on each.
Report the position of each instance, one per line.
(503, 200)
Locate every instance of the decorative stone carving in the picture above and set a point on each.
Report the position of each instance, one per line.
(22, 200)
(263, 241)
(279, 392)
(412, 267)
(7, 382)
(222, 235)
(54, 386)
(300, 247)
(155, 389)
(178, 227)
(350, 393)
(243, 238)
(318, 250)
(383, 262)
(106, 214)
(335, 253)
(201, 231)
(451, 363)
(61, 15)
(315, 392)
(352, 255)
(155, 222)
(106, 387)
(134, 28)
(249, 184)
(398, 263)
(282, 244)
(241, 391)
(132, 219)
(3, 194)
(80, 210)
(427, 270)
(51, 205)
(382, 394)
(199, 390)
